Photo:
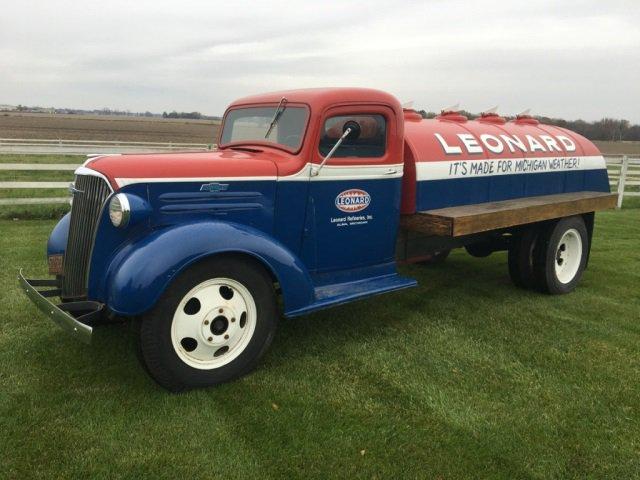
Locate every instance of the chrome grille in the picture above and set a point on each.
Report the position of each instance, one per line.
(91, 193)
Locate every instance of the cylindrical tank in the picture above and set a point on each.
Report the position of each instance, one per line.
(452, 161)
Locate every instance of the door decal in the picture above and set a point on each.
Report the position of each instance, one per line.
(352, 200)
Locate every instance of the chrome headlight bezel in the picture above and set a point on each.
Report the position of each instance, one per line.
(119, 210)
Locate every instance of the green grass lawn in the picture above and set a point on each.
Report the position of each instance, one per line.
(17, 158)
(463, 377)
(36, 176)
(34, 193)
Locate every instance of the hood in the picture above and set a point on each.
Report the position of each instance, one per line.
(121, 170)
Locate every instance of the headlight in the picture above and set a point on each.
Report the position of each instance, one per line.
(119, 210)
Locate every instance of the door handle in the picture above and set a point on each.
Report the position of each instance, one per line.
(390, 171)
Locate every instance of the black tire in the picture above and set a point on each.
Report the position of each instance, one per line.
(479, 250)
(436, 257)
(520, 256)
(553, 248)
(158, 353)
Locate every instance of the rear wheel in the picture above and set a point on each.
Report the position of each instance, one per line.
(560, 256)
(210, 326)
(521, 257)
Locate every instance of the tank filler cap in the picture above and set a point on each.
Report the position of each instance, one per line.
(491, 116)
(525, 118)
(452, 114)
(410, 115)
(452, 117)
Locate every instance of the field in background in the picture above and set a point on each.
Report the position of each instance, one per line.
(99, 127)
(464, 376)
(618, 148)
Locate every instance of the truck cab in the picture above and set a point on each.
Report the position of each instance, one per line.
(311, 196)
(324, 212)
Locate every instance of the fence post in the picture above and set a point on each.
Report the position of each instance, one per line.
(622, 179)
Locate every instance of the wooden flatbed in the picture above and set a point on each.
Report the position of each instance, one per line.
(483, 217)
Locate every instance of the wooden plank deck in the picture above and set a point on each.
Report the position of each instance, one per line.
(483, 217)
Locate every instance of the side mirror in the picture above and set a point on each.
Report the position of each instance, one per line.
(355, 130)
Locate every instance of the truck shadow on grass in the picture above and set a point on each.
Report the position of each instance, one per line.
(474, 297)
(113, 355)
(462, 294)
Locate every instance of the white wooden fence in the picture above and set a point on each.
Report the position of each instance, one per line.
(624, 178)
(87, 147)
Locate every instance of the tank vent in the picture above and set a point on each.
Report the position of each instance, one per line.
(451, 116)
(525, 120)
(411, 115)
(492, 117)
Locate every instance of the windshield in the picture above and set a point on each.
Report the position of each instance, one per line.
(251, 124)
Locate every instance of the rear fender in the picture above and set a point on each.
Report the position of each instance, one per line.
(142, 270)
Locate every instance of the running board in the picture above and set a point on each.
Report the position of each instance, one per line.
(337, 294)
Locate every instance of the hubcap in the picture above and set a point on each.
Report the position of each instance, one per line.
(213, 323)
(568, 256)
(219, 325)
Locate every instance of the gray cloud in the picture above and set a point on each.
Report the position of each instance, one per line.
(571, 59)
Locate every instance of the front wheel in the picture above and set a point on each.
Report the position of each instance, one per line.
(212, 324)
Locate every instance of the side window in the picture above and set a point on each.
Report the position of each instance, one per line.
(368, 136)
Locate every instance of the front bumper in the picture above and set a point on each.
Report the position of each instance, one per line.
(77, 318)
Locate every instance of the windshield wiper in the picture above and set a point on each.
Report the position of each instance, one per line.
(276, 116)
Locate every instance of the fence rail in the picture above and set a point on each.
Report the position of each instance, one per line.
(624, 177)
(33, 201)
(624, 172)
(37, 166)
(88, 147)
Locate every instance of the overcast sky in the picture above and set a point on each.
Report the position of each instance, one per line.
(572, 59)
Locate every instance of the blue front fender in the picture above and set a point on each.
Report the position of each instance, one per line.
(57, 243)
(142, 270)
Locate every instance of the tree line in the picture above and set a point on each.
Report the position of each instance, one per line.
(174, 114)
(190, 115)
(613, 129)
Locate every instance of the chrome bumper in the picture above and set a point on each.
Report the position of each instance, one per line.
(74, 317)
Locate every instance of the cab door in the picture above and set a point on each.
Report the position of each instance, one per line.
(354, 199)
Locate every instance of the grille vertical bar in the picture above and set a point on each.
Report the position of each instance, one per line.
(85, 213)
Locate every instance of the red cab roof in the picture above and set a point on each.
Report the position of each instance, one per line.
(320, 98)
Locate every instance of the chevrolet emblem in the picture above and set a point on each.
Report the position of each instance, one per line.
(214, 187)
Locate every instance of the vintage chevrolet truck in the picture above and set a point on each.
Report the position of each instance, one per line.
(311, 200)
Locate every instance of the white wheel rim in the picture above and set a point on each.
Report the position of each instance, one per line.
(568, 256)
(213, 323)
